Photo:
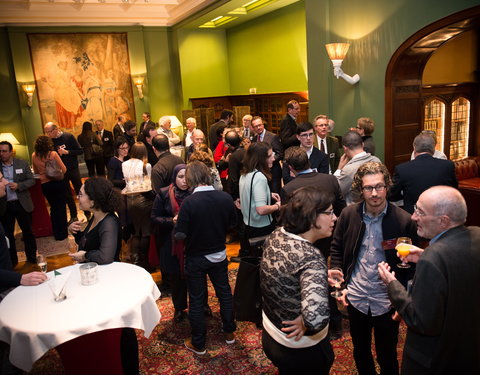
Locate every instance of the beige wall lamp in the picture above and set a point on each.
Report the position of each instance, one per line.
(138, 81)
(336, 53)
(29, 90)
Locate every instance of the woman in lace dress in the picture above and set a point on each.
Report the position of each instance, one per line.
(293, 280)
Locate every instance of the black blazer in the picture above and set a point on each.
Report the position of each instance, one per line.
(415, 176)
(333, 150)
(107, 143)
(318, 160)
(288, 132)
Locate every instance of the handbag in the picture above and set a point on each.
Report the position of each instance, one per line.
(247, 298)
(97, 150)
(53, 170)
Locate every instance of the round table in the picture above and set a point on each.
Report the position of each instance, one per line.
(31, 322)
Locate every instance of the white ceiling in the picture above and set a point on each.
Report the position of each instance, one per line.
(98, 12)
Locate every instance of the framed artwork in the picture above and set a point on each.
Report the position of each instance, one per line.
(82, 77)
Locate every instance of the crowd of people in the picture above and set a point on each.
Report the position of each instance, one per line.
(330, 213)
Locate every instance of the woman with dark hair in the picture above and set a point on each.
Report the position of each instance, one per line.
(92, 150)
(139, 203)
(293, 281)
(101, 240)
(53, 190)
(255, 196)
(170, 252)
(115, 173)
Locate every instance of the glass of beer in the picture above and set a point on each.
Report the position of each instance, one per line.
(403, 249)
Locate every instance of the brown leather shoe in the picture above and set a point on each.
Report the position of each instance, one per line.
(188, 344)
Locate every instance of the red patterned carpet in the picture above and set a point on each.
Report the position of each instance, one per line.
(164, 353)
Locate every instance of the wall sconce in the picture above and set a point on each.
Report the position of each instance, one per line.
(336, 53)
(138, 81)
(29, 90)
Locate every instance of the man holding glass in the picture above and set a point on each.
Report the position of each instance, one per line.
(366, 235)
(442, 308)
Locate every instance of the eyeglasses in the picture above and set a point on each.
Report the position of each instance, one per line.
(378, 188)
(418, 211)
(329, 212)
(308, 135)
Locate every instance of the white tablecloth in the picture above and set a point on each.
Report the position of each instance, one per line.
(32, 322)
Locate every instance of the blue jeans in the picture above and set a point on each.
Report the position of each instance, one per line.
(197, 268)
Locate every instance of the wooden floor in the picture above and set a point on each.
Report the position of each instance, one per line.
(63, 260)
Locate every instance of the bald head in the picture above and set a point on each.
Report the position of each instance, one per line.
(438, 209)
(51, 130)
(447, 201)
(197, 137)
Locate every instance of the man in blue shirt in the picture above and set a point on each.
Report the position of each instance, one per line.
(365, 235)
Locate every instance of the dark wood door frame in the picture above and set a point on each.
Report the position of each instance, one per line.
(403, 81)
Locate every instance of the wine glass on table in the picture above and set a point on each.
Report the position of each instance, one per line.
(403, 248)
(338, 278)
(42, 262)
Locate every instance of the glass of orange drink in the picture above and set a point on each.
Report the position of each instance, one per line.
(403, 248)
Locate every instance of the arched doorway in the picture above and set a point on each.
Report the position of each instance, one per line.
(403, 83)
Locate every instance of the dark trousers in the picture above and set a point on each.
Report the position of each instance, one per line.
(73, 176)
(197, 268)
(95, 164)
(316, 359)
(54, 191)
(385, 330)
(16, 211)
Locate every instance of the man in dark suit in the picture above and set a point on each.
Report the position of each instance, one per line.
(118, 129)
(216, 130)
(148, 133)
(107, 141)
(326, 143)
(318, 159)
(19, 205)
(441, 309)
(415, 176)
(146, 121)
(288, 125)
(162, 171)
(263, 135)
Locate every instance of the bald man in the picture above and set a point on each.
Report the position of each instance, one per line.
(442, 309)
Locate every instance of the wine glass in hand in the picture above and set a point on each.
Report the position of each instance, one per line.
(338, 278)
(403, 249)
(42, 262)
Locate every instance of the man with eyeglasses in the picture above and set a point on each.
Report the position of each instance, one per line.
(365, 235)
(414, 177)
(19, 206)
(442, 308)
(354, 156)
(318, 159)
(326, 143)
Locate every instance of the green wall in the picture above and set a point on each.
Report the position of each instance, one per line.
(375, 29)
(203, 63)
(11, 115)
(269, 53)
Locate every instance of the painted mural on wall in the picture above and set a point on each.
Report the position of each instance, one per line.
(82, 77)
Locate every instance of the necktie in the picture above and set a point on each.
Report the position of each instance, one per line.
(322, 145)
